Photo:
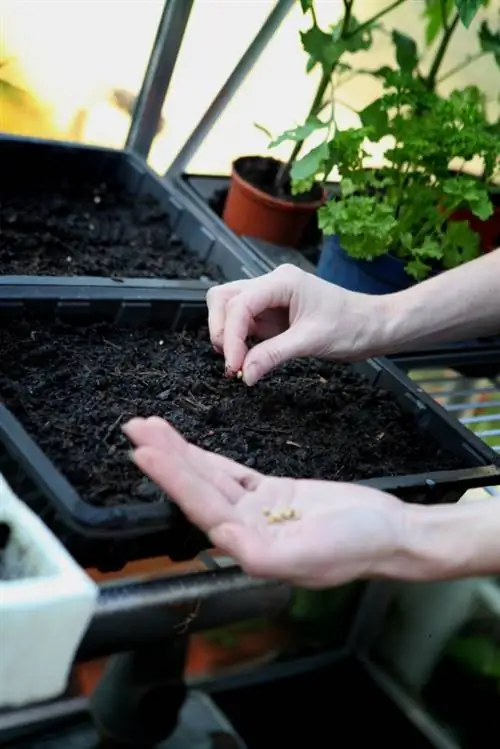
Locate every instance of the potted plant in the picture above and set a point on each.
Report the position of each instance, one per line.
(391, 115)
(262, 201)
(397, 226)
(42, 590)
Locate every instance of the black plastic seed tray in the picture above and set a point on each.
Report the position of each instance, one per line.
(108, 538)
(480, 359)
(31, 156)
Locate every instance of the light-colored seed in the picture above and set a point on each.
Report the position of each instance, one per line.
(239, 374)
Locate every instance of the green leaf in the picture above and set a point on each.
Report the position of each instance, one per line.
(406, 51)
(433, 14)
(320, 47)
(460, 244)
(364, 224)
(310, 164)
(348, 187)
(311, 64)
(470, 192)
(300, 133)
(374, 116)
(467, 10)
(417, 269)
(359, 37)
(306, 5)
(477, 654)
(263, 129)
(430, 248)
(327, 48)
(489, 41)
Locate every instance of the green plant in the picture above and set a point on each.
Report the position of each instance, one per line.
(329, 50)
(404, 207)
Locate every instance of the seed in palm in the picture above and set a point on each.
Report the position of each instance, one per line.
(289, 513)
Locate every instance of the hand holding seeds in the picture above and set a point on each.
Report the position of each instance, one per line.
(311, 533)
(294, 314)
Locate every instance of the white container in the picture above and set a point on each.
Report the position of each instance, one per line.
(46, 604)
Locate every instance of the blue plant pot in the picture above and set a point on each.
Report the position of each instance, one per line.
(384, 275)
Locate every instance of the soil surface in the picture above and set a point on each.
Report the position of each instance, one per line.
(261, 172)
(90, 230)
(71, 388)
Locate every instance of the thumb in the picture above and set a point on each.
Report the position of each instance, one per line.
(269, 354)
(243, 544)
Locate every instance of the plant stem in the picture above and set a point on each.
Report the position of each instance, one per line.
(366, 24)
(317, 102)
(318, 99)
(441, 51)
(468, 61)
(327, 74)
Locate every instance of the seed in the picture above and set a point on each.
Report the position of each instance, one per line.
(239, 374)
(280, 517)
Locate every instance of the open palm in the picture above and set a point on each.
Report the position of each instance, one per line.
(338, 532)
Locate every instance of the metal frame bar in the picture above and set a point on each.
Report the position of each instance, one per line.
(230, 87)
(161, 65)
(131, 612)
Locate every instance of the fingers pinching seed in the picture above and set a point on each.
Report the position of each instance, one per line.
(288, 513)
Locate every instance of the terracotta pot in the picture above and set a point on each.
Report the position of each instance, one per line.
(251, 212)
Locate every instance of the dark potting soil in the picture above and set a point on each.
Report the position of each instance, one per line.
(262, 172)
(61, 228)
(72, 387)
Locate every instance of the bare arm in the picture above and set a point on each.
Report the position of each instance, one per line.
(462, 302)
(447, 542)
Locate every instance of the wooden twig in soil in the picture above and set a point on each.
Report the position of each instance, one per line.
(112, 428)
(192, 404)
(113, 345)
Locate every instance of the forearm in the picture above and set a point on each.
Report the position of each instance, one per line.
(454, 305)
(446, 542)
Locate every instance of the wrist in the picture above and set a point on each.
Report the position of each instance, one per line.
(445, 542)
(374, 328)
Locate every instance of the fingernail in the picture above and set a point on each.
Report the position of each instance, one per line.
(250, 374)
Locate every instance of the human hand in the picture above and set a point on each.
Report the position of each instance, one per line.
(295, 314)
(341, 532)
